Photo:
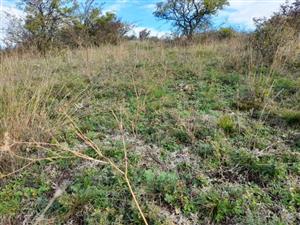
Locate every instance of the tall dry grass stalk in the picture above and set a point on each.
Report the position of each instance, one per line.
(35, 90)
(8, 144)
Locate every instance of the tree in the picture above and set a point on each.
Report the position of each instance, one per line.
(144, 34)
(61, 23)
(44, 18)
(40, 25)
(91, 27)
(188, 16)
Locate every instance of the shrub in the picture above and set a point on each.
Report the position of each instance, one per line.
(274, 34)
(225, 33)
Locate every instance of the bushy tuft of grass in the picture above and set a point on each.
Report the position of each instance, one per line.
(227, 123)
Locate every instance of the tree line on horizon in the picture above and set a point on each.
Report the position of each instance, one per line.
(75, 23)
(59, 23)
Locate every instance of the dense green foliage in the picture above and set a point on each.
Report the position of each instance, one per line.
(64, 23)
(188, 16)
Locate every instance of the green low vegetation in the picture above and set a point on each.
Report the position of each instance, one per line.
(203, 130)
(206, 144)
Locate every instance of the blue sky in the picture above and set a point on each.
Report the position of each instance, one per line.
(239, 14)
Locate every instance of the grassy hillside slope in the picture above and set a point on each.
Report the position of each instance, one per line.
(207, 140)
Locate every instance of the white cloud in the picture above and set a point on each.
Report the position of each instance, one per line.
(150, 6)
(9, 10)
(154, 32)
(4, 21)
(117, 6)
(242, 12)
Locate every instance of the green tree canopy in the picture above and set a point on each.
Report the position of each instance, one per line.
(188, 16)
(92, 27)
(59, 23)
(44, 18)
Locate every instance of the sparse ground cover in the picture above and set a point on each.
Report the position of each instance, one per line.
(209, 141)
